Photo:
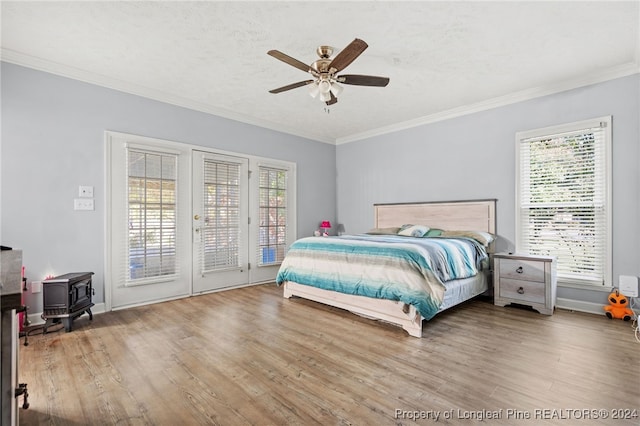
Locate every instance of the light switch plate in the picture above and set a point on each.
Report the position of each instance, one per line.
(85, 191)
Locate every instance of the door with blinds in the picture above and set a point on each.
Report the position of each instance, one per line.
(149, 254)
(220, 221)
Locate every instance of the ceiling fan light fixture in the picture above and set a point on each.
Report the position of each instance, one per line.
(313, 89)
(325, 96)
(336, 89)
(324, 86)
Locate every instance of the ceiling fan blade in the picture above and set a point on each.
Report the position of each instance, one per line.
(291, 86)
(333, 99)
(363, 80)
(348, 55)
(289, 60)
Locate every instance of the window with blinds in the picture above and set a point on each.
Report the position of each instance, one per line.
(151, 201)
(563, 199)
(220, 232)
(272, 239)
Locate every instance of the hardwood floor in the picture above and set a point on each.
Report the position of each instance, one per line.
(249, 356)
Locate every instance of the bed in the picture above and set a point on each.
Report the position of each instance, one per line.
(427, 262)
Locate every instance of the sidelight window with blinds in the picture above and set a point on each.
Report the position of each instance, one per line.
(272, 240)
(563, 198)
(151, 201)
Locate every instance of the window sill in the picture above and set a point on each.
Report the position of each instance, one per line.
(266, 265)
(150, 280)
(589, 287)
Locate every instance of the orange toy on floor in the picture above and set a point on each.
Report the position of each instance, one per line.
(618, 307)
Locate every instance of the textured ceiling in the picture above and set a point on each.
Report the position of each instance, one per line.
(443, 58)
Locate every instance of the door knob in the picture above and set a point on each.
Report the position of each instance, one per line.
(196, 217)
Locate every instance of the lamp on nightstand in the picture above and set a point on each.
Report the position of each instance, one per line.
(325, 225)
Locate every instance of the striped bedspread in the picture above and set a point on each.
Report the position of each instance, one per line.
(411, 270)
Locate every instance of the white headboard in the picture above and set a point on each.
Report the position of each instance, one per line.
(473, 215)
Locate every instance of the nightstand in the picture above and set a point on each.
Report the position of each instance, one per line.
(525, 279)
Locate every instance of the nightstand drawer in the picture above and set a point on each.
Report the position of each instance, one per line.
(518, 269)
(526, 291)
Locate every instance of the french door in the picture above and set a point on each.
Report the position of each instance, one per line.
(178, 219)
(148, 256)
(220, 221)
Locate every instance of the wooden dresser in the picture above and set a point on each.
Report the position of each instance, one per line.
(525, 279)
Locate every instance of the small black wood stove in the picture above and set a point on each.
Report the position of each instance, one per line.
(67, 297)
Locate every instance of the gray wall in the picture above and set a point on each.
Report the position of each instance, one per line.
(473, 156)
(53, 141)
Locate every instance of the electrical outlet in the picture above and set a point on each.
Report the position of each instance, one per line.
(83, 204)
(85, 191)
(36, 287)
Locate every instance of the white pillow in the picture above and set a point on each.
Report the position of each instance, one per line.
(418, 231)
(483, 238)
(383, 231)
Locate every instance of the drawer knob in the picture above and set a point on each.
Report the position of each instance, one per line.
(519, 270)
(521, 290)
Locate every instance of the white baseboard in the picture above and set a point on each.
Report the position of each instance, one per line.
(580, 306)
(36, 319)
(561, 303)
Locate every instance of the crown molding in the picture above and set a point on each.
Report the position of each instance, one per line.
(524, 95)
(16, 58)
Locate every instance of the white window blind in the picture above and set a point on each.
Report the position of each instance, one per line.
(151, 201)
(220, 247)
(272, 239)
(563, 199)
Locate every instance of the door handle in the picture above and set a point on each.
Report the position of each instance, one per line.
(196, 217)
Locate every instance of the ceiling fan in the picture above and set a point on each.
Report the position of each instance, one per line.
(324, 70)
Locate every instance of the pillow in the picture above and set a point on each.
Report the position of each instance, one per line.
(483, 238)
(434, 232)
(383, 231)
(414, 231)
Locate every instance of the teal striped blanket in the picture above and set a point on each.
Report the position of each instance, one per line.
(406, 269)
